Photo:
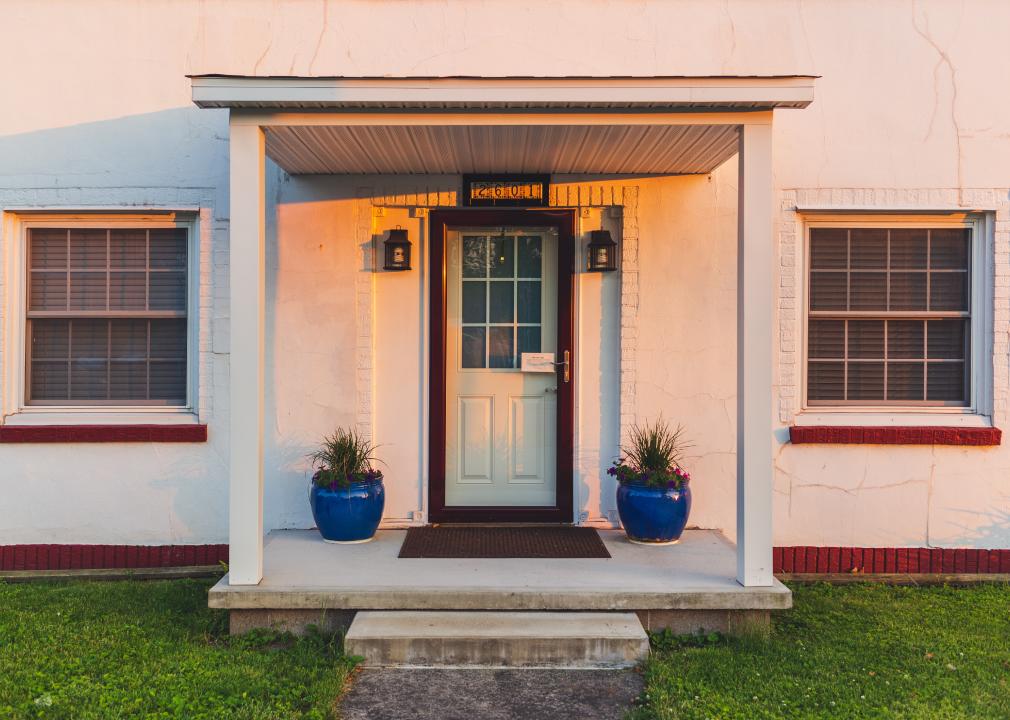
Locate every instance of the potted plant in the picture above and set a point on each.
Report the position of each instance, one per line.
(654, 493)
(347, 495)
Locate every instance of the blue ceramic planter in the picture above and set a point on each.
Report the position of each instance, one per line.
(350, 514)
(653, 515)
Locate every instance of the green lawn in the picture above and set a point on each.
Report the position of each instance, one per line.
(152, 650)
(858, 651)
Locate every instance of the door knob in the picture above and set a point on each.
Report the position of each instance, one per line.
(567, 366)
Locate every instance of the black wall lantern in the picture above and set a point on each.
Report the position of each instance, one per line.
(602, 252)
(397, 250)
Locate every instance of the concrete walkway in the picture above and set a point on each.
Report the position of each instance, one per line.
(441, 694)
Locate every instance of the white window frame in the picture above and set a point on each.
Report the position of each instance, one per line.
(978, 412)
(16, 410)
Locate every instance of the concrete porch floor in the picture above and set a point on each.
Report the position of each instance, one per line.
(688, 587)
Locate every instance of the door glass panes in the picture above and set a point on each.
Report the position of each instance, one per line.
(529, 254)
(474, 350)
(500, 299)
(474, 302)
(529, 339)
(502, 302)
(500, 352)
(474, 257)
(528, 301)
(502, 256)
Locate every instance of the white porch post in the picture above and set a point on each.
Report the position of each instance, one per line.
(247, 272)
(755, 325)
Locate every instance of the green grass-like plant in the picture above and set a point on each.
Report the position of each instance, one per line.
(342, 458)
(653, 456)
(153, 649)
(134, 649)
(853, 652)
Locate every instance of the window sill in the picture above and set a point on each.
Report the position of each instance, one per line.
(892, 418)
(112, 428)
(895, 435)
(105, 416)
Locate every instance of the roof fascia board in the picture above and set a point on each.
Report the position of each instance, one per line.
(217, 91)
(878, 210)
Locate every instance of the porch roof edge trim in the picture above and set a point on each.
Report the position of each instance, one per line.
(891, 210)
(611, 94)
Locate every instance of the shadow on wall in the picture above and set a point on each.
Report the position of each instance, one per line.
(179, 156)
(425, 190)
(994, 534)
(174, 157)
(198, 485)
(152, 158)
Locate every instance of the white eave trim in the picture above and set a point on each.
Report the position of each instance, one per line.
(883, 210)
(741, 93)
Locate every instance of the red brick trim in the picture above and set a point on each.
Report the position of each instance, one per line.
(806, 559)
(102, 433)
(891, 435)
(87, 557)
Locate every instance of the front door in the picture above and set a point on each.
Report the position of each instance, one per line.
(507, 389)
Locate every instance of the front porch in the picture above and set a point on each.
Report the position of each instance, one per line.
(689, 588)
(442, 127)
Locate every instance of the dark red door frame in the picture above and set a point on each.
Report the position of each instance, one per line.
(564, 222)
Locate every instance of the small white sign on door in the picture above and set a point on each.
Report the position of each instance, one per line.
(537, 362)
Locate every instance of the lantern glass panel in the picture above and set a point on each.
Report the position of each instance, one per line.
(602, 254)
(397, 250)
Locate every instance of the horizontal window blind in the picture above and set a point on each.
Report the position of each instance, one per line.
(889, 316)
(106, 316)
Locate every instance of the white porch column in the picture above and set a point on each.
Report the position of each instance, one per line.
(247, 272)
(755, 326)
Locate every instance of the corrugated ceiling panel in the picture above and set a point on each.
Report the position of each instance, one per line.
(571, 149)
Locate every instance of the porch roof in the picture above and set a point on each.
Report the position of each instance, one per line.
(255, 131)
(570, 125)
(613, 93)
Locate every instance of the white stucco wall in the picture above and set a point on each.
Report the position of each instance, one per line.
(96, 112)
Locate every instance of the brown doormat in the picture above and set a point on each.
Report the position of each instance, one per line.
(503, 542)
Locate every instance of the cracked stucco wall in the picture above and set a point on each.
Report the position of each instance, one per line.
(908, 111)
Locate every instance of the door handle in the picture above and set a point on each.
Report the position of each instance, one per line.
(567, 365)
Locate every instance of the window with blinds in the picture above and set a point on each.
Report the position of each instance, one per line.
(106, 316)
(889, 316)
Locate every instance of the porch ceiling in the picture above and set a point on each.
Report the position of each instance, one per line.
(607, 149)
(450, 125)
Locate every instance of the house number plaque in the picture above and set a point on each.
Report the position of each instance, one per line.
(506, 190)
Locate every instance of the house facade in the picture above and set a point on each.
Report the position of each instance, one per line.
(199, 193)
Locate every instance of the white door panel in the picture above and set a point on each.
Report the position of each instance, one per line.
(476, 433)
(501, 301)
(531, 416)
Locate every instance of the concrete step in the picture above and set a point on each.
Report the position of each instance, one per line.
(420, 638)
